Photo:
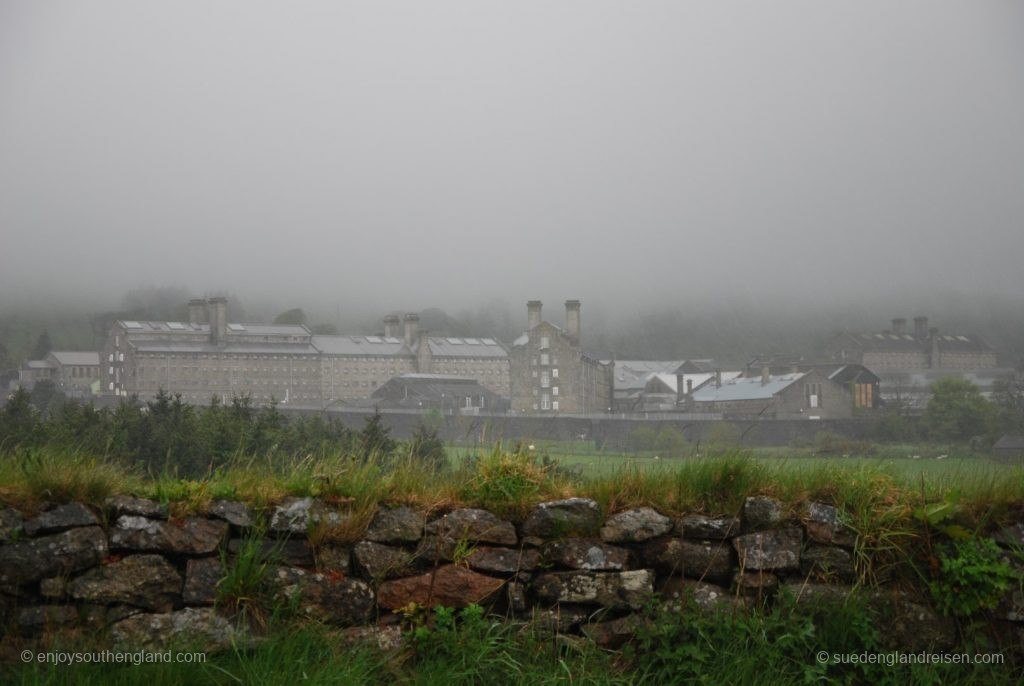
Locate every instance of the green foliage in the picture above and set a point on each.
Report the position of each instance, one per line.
(426, 445)
(973, 576)
(43, 346)
(242, 584)
(957, 411)
(1008, 399)
(724, 436)
(167, 434)
(666, 439)
(293, 316)
(375, 438)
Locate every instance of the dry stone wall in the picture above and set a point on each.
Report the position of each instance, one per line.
(129, 572)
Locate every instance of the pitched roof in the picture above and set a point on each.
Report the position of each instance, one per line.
(745, 388)
(393, 346)
(76, 357)
(235, 348)
(132, 326)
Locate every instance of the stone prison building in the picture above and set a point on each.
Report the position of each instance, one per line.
(207, 356)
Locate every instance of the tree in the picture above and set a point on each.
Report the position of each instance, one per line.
(957, 411)
(427, 446)
(43, 346)
(375, 438)
(292, 316)
(1008, 399)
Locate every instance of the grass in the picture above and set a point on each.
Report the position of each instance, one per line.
(470, 647)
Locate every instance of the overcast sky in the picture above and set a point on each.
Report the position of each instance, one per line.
(442, 153)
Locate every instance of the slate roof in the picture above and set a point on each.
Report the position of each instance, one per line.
(384, 346)
(76, 357)
(132, 326)
(235, 348)
(1010, 442)
(886, 341)
(745, 388)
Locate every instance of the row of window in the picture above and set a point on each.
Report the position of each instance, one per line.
(85, 372)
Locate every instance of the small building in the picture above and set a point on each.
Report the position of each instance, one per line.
(1009, 448)
(438, 392)
(799, 395)
(551, 373)
(75, 373)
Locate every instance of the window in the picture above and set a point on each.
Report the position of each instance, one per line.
(554, 373)
(545, 380)
(554, 405)
(545, 359)
(545, 402)
(545, 342)
(554, 390)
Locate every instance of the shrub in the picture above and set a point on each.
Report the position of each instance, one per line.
(973, 576)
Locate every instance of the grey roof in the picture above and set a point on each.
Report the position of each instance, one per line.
(38, 364)
(76, 357)
(887, 341)
(1010, 442)
(234, 348)
(379, 345)
(187, 328)
(635, 373)
(360, 345)
(745, 388)
(466, 347)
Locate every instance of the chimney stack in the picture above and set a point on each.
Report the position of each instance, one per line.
(921, 327)
(766, 375)
(899, 325)
(424, 356)
(572, 320)
(532, 314)
(197, 311)
(390, 325)
(217, 312)
(718, 378)
(412, 327)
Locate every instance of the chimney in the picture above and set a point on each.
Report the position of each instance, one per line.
(766, 375)
(217, 312)
(532, 314)
(899, 325)
(390, 325)
(424, 357)
(921, 327)
(718, 378)
(197, 311)
(572, 320)
(933, 360)
(412, 327)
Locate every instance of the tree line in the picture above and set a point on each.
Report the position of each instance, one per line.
(167, 434)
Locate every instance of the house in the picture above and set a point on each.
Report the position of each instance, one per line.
(862, 384)
(1009, 448)
(438, 392)
(75, 373)
(798, 395)
(551, 373)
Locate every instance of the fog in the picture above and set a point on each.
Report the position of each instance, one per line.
(366, 156)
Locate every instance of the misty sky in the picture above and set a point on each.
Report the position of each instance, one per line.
(442, 153)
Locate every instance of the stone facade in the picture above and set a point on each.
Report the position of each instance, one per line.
(152, 580)
(900, 349)
(552, 374)
(73, 372)
(208, 357)
(808, 395)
